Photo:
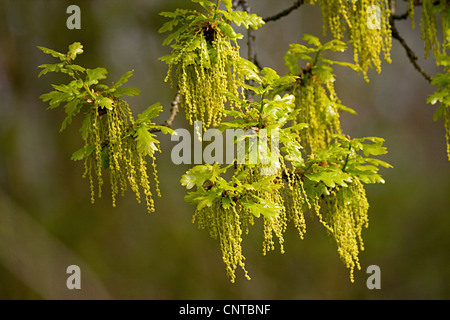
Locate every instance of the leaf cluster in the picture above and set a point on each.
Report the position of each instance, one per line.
(341, 163)
(193, 32)
(338, 165)
(321, 67)
(442, 82)
(113, 139)
(212, 189)
(85, 92)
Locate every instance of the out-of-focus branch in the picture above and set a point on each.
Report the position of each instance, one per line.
(251, 42)
(39, 259)
(173, 112)
(401, 16)
(396, 35)
(409, 52)
(285, 12)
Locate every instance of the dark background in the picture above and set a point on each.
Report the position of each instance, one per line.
(48, 223)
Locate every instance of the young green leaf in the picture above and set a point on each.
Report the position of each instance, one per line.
(128, 91)
(197, 176)
(243, 18)
(94, 75)
(205, 3)
(85, 126)
(150, 113)
(123, 79)
(146, 143)
(331, 177)
(57, 67)
(312, 40)
(54, 53)
(249, 70)
(72, 109)
(55, 98)
(75, 49)
(228, 4)
(82, 153)
(106, 103)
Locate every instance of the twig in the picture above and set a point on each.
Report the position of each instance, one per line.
(404, 16)
(251, 42)
(401, 17)
(251, 33)
(411, 55)
(286, 12)
(173, 113)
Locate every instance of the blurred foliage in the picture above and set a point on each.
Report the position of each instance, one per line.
(136, 255)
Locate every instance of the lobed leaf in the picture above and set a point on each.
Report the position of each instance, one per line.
(197, 176)
(53, 53)
(82, 153)
(94, 75)
(151, 112)
(146, 143)
(128, 91)
(123, 79)
(243, 18)
(75, 49)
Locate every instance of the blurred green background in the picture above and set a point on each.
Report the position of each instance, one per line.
(48, 223)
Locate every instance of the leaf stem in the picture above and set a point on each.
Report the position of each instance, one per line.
(309, 167)
(217, 8)
(346, 158)
(261, 109)
(316, 59)
(76, 76)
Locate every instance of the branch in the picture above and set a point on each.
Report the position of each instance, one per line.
(251, 42)
(173, 112)
(411, 55)
(286, 12)
(401, 17)
(404, 16)
(251, 50)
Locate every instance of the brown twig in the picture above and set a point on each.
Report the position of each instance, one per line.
(409, 52)
(173, 113)
(251, 42)
(286, 12)
(401, 17)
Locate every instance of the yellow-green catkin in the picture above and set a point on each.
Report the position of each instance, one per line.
(356, 19)
(429, 29)
(345, 213)
(370, 38)
(227, 226)
(447, 128)
(119, 155)
(334, 14)
(295, 200)
(94, 139)
(318, 107)
(274, 224)
(445, 20)
(411, 12)
(203, 79)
